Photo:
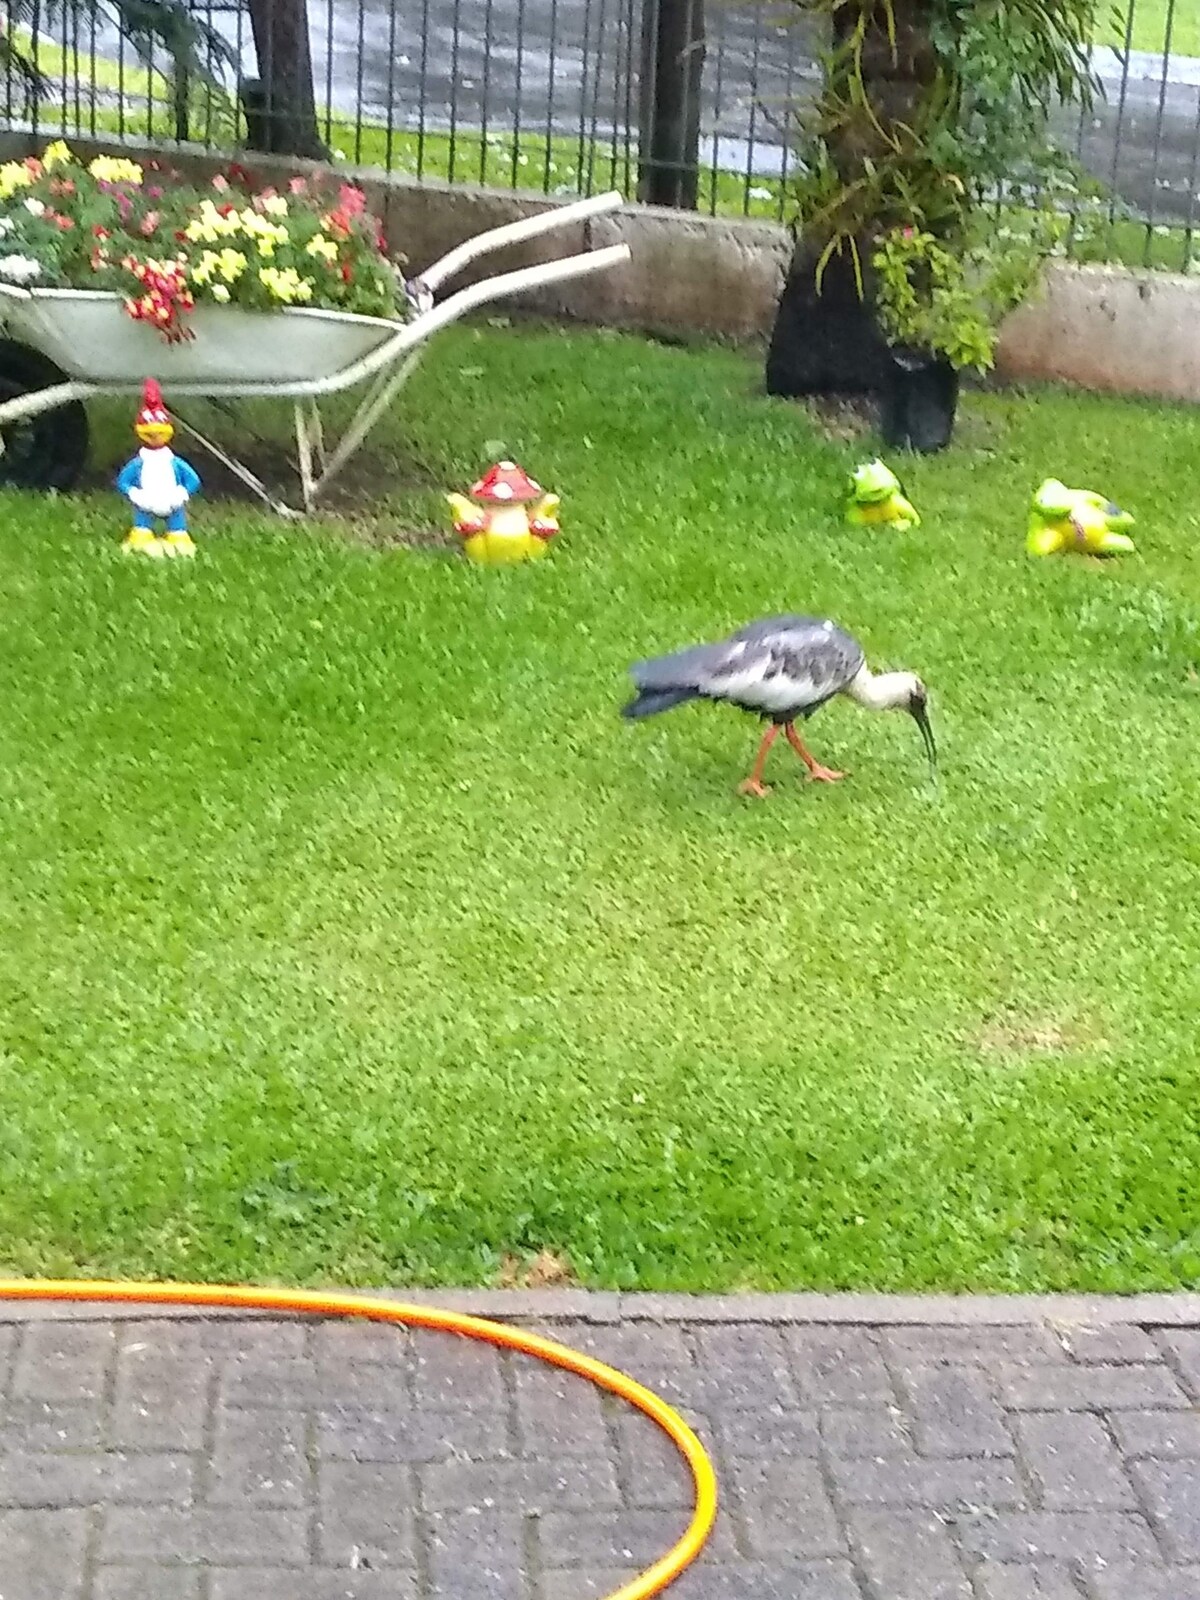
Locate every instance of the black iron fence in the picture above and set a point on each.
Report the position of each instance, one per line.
(679, 101)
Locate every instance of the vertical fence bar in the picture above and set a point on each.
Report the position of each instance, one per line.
(424, 90)
(485, 91)
(359, 78)
(1152, 208)
(614, 140)
(390, 119)
(1122, 101)
(518, 89)
(581, 151)
(549, 164)
(454, 44)
(628, 111)
(1189, 227)
(752, 130)
(92, 95)
(596, 75)
(785, 130)
(714, 172)
(65, 92)
(329, 22)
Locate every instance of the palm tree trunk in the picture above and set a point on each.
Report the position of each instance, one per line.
(279, 106)
(826, 339)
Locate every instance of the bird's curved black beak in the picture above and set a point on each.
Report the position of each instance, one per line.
(920, 715)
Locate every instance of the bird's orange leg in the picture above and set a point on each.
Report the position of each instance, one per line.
(753, 785)
(816, 772)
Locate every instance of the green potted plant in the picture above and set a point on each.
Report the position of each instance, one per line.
(939, 306)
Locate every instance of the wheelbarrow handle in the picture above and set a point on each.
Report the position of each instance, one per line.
(512, 233)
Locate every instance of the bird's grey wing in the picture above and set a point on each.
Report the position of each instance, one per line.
(812, 647)
(783, 673)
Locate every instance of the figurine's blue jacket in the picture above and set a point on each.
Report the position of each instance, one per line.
(130, 476)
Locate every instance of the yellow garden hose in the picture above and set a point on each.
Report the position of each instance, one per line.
(317, 1303)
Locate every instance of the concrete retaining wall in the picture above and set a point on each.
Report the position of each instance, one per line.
(1105, 328)
(1109, 328)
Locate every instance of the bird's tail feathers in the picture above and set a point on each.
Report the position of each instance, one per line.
(685, 669)
(651, 701)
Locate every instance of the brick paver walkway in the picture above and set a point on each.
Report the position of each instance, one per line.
(190, 1459)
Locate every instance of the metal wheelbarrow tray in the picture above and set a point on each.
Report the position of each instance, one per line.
(64, 346)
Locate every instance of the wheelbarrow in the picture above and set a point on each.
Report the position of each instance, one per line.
(62, 347)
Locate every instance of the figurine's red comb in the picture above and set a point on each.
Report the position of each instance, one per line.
(152, 395)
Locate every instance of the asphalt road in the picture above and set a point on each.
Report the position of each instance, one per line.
(563, 66)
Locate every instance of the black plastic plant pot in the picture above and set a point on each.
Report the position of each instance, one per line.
(920, 400)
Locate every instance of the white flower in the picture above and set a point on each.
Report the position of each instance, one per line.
(35, 207)
(220, 292)
(6, 227)
(19, 269)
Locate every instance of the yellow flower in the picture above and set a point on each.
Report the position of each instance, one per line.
(57, 154)
(322, 247)
(263, 230)
(232, 263)
(203, 270)
(286, 285)
(220, 292)
(14, 175)
(266, 247)
(114, 169)
(275, 206)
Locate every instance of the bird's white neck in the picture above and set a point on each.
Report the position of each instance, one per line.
(881, 691)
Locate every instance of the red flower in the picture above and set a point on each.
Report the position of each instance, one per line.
(227, 209)
(64, 224)
(297, 186)
(346, 272)
(101, 233)
(351, 200)
(220, 184)
(149, 222)
(154, 192)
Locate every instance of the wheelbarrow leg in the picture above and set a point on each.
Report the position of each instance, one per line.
(378, 398)
(254, 484)
(306, 446)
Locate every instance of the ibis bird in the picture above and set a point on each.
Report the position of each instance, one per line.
(781, 669)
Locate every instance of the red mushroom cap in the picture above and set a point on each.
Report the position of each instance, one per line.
(506, 484)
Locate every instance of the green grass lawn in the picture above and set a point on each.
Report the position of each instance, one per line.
(349, 934)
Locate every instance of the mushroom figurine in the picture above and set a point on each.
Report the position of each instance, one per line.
(876, 499)
(1062, 519)
(515, 520)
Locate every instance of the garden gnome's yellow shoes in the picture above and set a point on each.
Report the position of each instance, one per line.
(178, 544)
(143, 542)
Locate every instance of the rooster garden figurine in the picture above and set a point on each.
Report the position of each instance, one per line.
(503, 530)
(780, 669)
(157, 483)
(1062, 519)
(876, 499)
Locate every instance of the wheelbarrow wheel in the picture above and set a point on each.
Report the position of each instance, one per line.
(46, 451)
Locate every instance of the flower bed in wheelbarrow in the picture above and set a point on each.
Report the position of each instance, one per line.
(164, 250)
(112, 272)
